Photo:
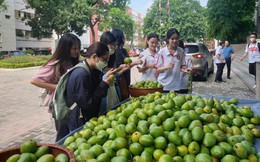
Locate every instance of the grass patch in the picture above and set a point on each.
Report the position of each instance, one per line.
(23, 61)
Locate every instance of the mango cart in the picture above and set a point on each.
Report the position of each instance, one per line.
(159, 127)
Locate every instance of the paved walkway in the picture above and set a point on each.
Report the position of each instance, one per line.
(22, 119)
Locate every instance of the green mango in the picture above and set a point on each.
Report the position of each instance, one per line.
(197, 134)
(187, 138)
(13, 158)
(62, 158)
(42, 150)
(209, 140)
(29, 146)
(240, 150)
(229, 158)
(226, 146)
(25, 157)
(46, 158)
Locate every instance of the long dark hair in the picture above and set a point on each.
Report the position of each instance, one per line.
(181, 44)
(120, 37)
(107, 38)
(62, 52)
(98, 48)
(170, 32)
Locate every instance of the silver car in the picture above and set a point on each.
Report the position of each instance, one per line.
(202, 60)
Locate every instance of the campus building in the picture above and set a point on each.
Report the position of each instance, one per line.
(14, 33)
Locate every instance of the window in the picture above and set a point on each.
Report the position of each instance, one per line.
(19, 33)
(17, 14)
(7, 16)
(193, 48)
(28, 33)
(0, 37)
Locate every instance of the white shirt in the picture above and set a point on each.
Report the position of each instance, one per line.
(148, 59)
(253, 53)
(170, 78)
(220, 52)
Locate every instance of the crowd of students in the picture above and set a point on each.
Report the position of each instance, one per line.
(91, 90)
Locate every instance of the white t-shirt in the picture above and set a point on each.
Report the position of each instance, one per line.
(253, 53)
(220, 51)
(148, 59)
(170, 79)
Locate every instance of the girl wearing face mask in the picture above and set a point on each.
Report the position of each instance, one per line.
(170, 62)
(149, 57)
(112, 97)
(87, 88)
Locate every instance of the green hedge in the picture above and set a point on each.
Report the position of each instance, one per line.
(23, 61)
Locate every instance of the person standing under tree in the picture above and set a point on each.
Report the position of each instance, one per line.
(253, 53)
(229, 56)
(220, 62)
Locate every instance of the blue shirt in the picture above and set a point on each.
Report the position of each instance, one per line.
(228, 51)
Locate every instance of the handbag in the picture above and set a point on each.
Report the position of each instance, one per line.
(44, 97)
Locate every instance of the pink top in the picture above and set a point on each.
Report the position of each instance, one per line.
(48, 74)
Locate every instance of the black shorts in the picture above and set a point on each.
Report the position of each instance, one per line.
(252, 68)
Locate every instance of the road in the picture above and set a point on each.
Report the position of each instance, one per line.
(22, 119)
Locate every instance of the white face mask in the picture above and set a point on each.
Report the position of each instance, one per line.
(252, 39)
(101, 65)
(111, 51)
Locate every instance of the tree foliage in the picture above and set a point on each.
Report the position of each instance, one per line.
(117, 18)
(3, 5)
(47, 17)
(64, 16)
(230, 19)
(187, 16)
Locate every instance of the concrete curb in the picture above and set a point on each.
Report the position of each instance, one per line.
(19, 69)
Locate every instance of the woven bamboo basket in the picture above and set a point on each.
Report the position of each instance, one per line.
(136, 92)
(54, 150)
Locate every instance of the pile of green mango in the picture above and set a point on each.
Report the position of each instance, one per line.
(170, 128)
(30, 152)
(147, 84)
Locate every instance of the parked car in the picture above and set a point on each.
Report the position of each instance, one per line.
(16, 53)
(11, 53)
(42, 52)
(202, 60)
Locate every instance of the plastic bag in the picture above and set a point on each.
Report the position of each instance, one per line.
(112, 97)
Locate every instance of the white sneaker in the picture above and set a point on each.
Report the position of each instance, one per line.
(254, 87)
